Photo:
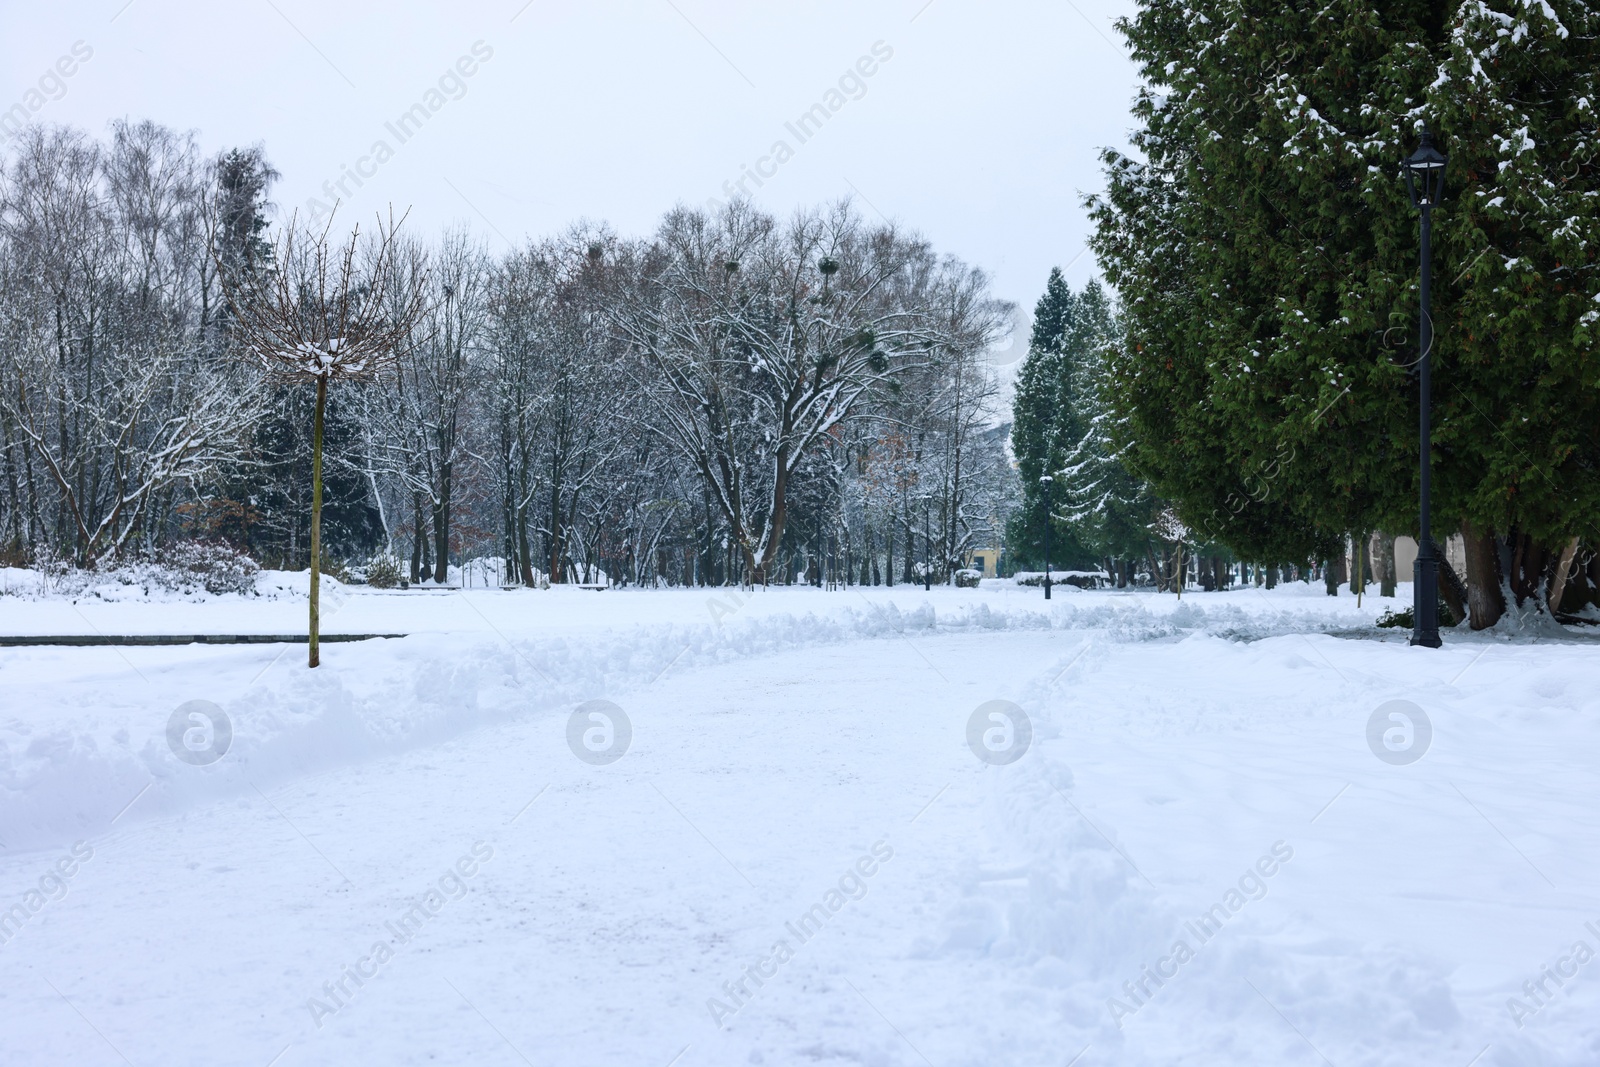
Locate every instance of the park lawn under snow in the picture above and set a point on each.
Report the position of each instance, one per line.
(798, 859)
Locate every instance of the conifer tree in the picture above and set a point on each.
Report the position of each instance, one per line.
(1108, 510)
(1046, 425)
(1265, 253)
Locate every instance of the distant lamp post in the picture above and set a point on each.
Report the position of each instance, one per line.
(1045, 480)
(1424, 170)
(927, 544)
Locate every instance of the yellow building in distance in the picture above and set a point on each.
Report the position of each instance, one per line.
(984, 560)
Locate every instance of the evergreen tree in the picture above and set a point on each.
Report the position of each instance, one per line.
(1046, 425)
(1107, 509)
(1266, 255)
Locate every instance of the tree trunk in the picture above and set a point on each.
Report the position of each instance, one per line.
(1558, 583)
(1358, 565)
(1451, 587)
(908, 556)
(1386, 575)
(1529, 579)
(416, 538)
(441, 529)
(1485, 600)
(524, 550)
(1272, 577)
(316, 517)
(888, 550)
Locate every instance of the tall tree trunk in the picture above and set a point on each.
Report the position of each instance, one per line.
(441, 529)
(316, 517)
(417, 537)
(1485, 600)
(557, 538)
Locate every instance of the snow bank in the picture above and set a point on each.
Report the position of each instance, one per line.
(153, 583)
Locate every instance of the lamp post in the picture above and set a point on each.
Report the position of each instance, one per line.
(1045, 480)
(1424, 170)
(927, 544)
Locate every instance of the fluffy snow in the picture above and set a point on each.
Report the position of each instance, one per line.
(414, 809)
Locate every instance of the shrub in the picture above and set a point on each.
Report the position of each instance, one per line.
(217, 568)
(383, 572)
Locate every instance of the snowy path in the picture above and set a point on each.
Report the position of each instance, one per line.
(1018, 899)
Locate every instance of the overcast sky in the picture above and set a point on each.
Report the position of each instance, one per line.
(980, 128)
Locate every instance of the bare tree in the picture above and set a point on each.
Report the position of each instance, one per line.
(424, 400)
(330, 313)
(765, 338)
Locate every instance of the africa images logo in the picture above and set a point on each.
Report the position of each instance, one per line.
(1399, 732)
(199, 733)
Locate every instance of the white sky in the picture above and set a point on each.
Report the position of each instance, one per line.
(982, 130)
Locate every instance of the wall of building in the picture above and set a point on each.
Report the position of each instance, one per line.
(1405, 554)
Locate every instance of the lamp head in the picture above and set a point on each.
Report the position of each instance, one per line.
(1424, 171)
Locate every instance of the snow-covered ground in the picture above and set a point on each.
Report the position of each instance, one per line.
(1207, 853)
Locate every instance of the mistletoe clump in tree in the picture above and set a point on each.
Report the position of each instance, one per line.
(329, 313)
(1266, 255)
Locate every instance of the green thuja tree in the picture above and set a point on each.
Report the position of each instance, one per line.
(1265, 253)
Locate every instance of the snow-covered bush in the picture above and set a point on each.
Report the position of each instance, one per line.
(968, 578)
(1077, 579)
(216, 568)
(186, 570)
(383, 572)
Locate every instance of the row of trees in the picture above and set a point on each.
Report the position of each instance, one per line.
(734, 398)
(1265, 253)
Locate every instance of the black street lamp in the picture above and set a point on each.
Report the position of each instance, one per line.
(1424, 170)
(927, 544)
(1045, 480)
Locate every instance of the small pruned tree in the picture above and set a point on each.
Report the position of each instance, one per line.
(330, 312)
